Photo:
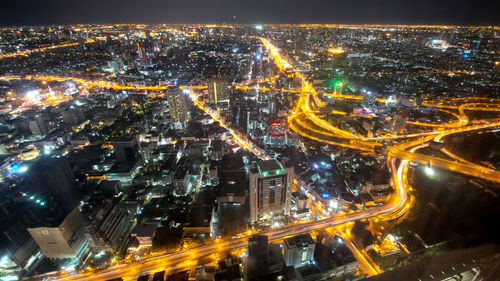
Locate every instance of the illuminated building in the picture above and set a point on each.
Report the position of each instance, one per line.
(270, 189)
(369, 98)
(144, 233)
(299, 250)
(218, 92)
(300, 201)
(180, 180)
(437, 44)
(276, 135)
(178, 107)
(124, 172)
(61, 239)
(242, 116)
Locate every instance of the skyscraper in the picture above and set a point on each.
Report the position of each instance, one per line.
(178, 107)
(299, 250)
(258, 256)
(61, 238)
(218, 92)
(270, 189)
(38, 126)
(52, 177)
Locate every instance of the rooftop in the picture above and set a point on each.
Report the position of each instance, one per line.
(199, 216)
(269, 167)
(299, 240)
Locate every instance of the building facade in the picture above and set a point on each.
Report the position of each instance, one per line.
(178, 107)
(299, 250)
(218, 92)
(270, 189)
(64, 240)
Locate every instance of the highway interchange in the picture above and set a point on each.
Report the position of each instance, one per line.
(305, 120)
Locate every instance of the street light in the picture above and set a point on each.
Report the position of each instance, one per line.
(429, 171)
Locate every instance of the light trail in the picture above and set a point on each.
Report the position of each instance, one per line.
(361, 255)
(396, 206)
(152, 264)
(240, 139)
(43, 49)
(326, 130)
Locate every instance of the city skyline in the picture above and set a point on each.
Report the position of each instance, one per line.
(157, 152)
(481, 12)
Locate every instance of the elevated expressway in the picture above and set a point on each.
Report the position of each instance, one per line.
(304, 121)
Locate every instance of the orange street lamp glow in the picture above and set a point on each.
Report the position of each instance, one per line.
(336, 51)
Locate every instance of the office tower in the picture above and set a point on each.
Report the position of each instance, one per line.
(18, 250)
(369, 98)
(127, 149)
(299, 250)
(38, 126)
(299, 46)
(258, 256)
(276, 135)
(218, 92)
(270, 189)
(52, 177)
(178, 107)
(60, 237)
(242, 115)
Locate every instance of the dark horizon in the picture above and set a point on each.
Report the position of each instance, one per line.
(426, 12)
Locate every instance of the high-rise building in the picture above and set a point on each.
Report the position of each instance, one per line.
(258, 256)
(18, 249)
(62, 237)
(369, 98)
(276, 135)
(299, 46)
(218, 92)
(299, 250)
(52, 177)
(127, 149)
(38, 126)
(242, 115)
(178, 107)
(270, 189)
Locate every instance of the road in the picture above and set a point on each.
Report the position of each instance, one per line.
(169, 261)
(305, 121)
(394, 207)
(43, 49)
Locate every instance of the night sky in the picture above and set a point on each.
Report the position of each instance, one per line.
(41, 12)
